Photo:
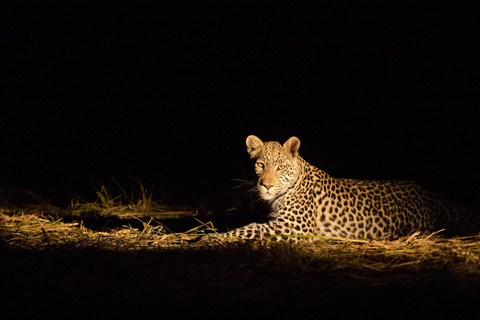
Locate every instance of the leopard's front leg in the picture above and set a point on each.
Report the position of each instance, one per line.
(253, 231)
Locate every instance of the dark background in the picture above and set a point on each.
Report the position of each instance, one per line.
(167, 92)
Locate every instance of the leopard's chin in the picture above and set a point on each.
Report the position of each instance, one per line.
(267, 196)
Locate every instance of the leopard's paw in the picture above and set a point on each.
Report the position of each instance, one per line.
(212, 238)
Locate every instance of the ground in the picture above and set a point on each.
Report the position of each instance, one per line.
(95, 283)
(86, 284)
(64, 268)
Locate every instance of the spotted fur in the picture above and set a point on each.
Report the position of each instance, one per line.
(306, 201)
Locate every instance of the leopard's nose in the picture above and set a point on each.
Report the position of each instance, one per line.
(268, 186)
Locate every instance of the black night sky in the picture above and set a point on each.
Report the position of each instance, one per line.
(167, 92)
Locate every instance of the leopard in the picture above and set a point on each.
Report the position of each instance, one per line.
(308, 204)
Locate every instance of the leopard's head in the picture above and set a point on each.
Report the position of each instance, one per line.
(275, 165)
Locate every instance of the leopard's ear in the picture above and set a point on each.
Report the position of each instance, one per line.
(254, 146)
(291, 147)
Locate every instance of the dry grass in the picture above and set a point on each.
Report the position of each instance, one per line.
(29, 231)
(43, 226)
(55, 256)
(415, 253)
(125, 205)
(412, 254)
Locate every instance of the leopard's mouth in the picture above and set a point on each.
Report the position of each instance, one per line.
(267, 194)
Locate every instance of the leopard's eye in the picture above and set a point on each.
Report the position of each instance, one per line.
(281, 167)
(261, 165)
